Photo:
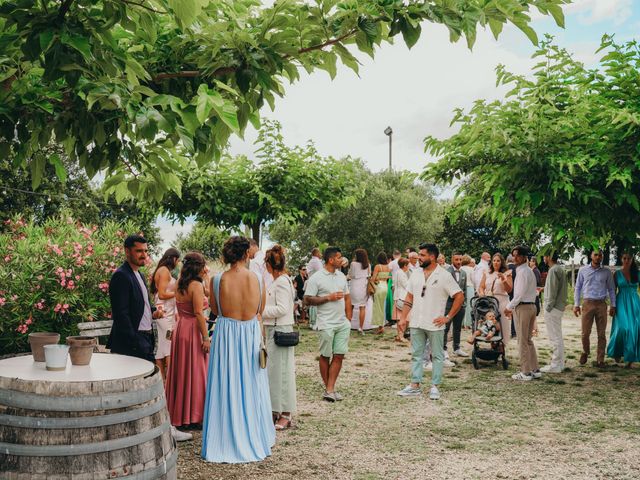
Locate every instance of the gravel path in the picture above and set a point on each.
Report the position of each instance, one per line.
(583, 423)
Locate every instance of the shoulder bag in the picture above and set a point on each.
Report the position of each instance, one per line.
(286, 339)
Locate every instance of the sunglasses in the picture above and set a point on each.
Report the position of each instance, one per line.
(424, 289)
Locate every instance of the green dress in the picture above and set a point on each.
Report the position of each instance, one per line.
(379, 316)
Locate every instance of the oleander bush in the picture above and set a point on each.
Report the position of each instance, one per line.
(55, 275)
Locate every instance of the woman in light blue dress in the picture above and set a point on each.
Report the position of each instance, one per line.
(238, 426)
(625, 330)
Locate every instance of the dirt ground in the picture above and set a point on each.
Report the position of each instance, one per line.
(583, 423)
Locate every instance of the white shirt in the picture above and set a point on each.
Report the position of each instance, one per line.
(400, 282)
(524, 288)
(440, 286)
(414, 268)
(469, 271)
(314, 266)
(257, 266)
(145, 321)
(481, 269)
(393, 266)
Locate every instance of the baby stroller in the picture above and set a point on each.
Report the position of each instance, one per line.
(496, 351)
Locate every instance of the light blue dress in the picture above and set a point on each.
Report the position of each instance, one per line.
(625, 330)
(238, 426)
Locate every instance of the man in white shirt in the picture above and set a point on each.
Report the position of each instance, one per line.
(523, 309)
(393, 264)
(414, 264)
(314, 266)
(426, 299)
(481, 269)
(256, 263)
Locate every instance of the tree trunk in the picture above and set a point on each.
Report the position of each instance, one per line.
(255, 231)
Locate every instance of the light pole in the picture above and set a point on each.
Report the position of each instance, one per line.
(389, 133)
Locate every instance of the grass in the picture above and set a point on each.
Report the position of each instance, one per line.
(582, 423)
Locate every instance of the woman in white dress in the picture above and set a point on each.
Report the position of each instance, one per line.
(163, 288)
(359, 273)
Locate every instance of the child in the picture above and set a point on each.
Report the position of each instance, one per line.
(489, 328)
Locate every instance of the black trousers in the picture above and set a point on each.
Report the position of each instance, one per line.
(457, 328)
(144, 348)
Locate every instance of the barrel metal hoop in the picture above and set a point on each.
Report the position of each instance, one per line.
(82, 449)
(33, 401)
(159, 470)
(82, 422)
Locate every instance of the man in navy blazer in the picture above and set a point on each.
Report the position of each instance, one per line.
(131, 310)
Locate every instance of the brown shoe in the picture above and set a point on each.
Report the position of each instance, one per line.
(583, 358)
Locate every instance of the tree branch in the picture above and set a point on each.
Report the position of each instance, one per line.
(64, 8)
(146, 7)
(227, 70)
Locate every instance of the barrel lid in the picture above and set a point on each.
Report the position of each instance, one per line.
(103, 366)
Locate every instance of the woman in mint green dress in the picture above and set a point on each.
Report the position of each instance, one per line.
(625, 330)
(381, 275)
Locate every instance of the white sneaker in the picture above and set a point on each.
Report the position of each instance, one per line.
(428, 366)
(434, 393)
(409, 391)
(180, 436)
(360, 331)
(536, 374)
(446, 355)
(522, 376)
(448, 363)
(550, 369)
(461, 353)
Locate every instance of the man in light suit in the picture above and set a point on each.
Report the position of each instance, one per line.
(460, 276)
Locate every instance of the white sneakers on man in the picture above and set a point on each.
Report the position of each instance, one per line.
(448, 363)
(550, 369)
(460, 353)
(434, 393)
(180, 436)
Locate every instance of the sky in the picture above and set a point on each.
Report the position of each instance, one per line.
(415, 91)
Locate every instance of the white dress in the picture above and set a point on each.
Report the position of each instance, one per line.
(358, 284)
(166, 323)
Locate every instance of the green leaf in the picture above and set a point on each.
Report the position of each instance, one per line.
(81, 44)
(186, 10)
(37, 169)
(228, 114)
(410, 33)
(61, 172)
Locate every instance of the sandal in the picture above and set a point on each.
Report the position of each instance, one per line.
(280, 427)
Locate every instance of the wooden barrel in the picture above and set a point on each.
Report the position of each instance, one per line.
(88, 422)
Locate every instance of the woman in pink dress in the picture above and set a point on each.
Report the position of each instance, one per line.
(497, 282)
(187, 375)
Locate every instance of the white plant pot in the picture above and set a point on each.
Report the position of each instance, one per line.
(56, 356)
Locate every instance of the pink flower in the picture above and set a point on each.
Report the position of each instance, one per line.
(7, 259)
(104, 286)
(77, 277)
(2, 301)
(28, 321)
(108, 315)
(65, 306)
(70, 285)
(63, 282)
(57, 308)
(14, 297)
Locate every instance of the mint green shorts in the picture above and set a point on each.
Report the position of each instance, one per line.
(334, 340)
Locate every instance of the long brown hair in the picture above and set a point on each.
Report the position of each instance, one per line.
(362, 257)
(503, 264)
(170, 260)
(192, 265)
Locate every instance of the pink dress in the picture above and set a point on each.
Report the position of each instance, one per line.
(493, 287)
(187, 376)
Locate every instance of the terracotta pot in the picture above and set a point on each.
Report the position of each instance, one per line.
(38, 340)
(81, 349)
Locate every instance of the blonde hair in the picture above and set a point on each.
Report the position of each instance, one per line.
(466, 259)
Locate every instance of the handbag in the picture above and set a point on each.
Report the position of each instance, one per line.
(371, 287)
(263, 354)
(285, 339)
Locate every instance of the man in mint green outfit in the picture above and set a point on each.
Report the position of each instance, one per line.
(426, 299)
(328, 291)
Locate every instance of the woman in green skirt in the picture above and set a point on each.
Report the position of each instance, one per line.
(380, 277)
(278, 316)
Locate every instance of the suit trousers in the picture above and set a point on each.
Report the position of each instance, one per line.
(594, 310)
(457, 328)
(525, 319)
(143, 349)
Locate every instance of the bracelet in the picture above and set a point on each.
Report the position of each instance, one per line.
(408, 304)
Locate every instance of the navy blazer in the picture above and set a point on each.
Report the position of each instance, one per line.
(127, 308)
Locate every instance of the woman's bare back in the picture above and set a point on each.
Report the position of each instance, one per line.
(239, 294)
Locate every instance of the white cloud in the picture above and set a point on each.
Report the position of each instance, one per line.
(594, 11)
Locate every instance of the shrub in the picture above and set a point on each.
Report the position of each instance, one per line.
(54, 276)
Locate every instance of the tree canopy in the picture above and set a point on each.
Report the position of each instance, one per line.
(392, 211)
(558, 157)
(132, 88)
(286, 183)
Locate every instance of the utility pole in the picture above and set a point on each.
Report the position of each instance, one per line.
(389, 133)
